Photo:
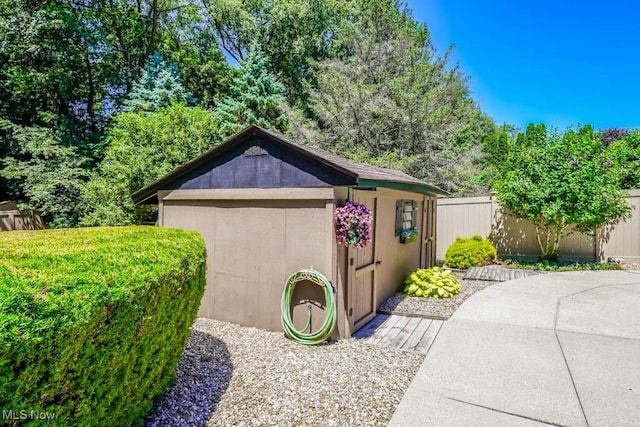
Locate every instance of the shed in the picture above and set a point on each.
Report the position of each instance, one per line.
(12, 218)
(264, 205)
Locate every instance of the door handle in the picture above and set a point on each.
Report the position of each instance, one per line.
(378, 262)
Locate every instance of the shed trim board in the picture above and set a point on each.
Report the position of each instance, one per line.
(260, 233)
(321, 193)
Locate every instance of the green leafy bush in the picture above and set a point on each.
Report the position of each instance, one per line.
(469, 252)
(562, 266)
(431, 282)
(93, 321)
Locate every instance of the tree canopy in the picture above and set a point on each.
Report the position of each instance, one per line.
(560, 182)
(142, 147)
(98, 98)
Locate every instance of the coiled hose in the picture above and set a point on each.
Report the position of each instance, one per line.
(324, 332)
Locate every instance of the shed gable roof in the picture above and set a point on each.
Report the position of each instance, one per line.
(343, 171)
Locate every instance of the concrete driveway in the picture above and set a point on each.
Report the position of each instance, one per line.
(558, 349)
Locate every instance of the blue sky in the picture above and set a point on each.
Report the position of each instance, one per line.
(560, 63)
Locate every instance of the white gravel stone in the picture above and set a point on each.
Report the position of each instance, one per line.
(231, 375)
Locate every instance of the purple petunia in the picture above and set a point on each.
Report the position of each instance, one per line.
(353, 224)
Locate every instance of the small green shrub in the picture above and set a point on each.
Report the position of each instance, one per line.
(93, 321)
(431, 282)
(469, 252)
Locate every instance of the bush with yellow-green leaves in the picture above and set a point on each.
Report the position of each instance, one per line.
(431, 282)
(469, 252)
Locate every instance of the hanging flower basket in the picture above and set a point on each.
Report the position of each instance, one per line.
(409, 235)
(353, 224)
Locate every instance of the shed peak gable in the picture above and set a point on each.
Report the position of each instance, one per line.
(257, 162)
(261, 163)
(257, 158)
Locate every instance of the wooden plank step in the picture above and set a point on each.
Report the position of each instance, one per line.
(473, 273)
(405, 333)
(428, 337)
(367, 330)
(381, 331)
(496, 274)
(417, 334)
(393, 332)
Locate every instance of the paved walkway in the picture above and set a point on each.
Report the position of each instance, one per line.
(559, 349)
(413, 334)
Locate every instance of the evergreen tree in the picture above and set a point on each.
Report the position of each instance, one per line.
(158, 87)
(256, 98)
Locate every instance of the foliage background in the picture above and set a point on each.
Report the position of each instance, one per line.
(79, 80)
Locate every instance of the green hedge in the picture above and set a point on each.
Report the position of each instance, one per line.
(93, 321)
(469, 252)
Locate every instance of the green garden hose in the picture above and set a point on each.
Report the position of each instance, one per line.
(324, 332)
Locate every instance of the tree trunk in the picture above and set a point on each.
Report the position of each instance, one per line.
(154, 27)
(549, 249)
(92, 93)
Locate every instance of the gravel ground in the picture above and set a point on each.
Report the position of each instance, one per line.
(231, 375)
(434, 307)
(240, 376)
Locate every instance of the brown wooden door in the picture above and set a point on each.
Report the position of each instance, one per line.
(428, 256)
(362, 269)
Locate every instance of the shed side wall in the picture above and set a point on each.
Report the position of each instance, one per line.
(398, 259)
(252, 247)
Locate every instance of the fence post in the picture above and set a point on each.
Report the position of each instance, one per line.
(492, 219)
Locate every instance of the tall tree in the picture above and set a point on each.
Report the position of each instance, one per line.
(256, 97)
(467, 173)
(392, 102)
(159, 86)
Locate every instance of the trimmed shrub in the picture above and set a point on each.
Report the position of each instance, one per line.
(469, 252)
(93, 321)
(431, 282)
